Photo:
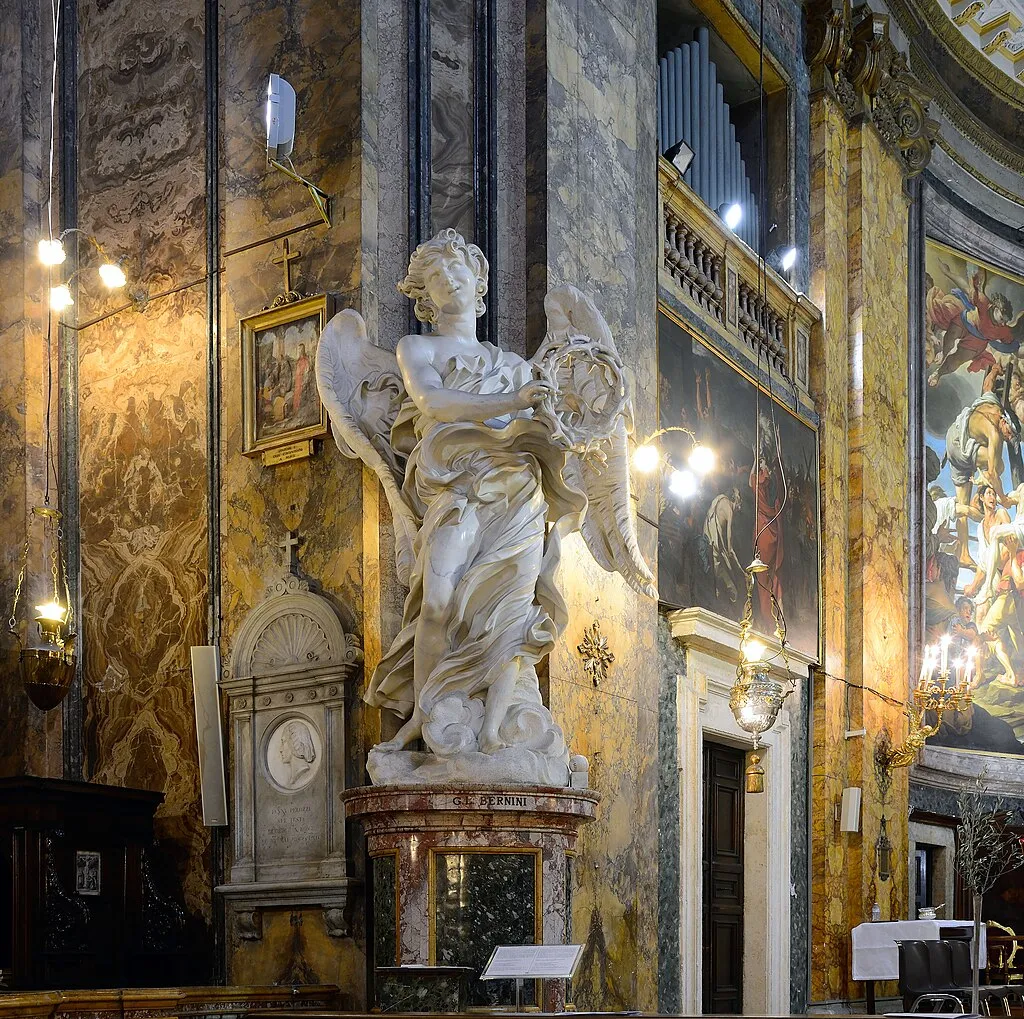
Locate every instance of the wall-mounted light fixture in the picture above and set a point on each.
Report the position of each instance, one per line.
(682, 482)
(883, 852)
(280, 115)
(732, 215)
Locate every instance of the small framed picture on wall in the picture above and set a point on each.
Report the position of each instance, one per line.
(87, 872)
(281, 408)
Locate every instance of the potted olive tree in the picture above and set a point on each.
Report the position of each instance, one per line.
(987, 847)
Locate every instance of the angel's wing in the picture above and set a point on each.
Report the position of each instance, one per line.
(362, 389)
(609, 528)
(570, 313)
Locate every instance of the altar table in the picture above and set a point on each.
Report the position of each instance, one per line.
(876, 957)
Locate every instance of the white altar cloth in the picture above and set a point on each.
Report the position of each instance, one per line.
(875, 956)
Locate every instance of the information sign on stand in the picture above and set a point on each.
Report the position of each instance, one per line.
(532, 962)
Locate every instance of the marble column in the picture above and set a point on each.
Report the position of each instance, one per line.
(30, 741)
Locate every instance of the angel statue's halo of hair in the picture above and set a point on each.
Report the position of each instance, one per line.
(448, 243)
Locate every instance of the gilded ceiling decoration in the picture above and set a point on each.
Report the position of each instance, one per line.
(994, 28)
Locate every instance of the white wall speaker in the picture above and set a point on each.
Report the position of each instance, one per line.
(209, 736)
(849, 814)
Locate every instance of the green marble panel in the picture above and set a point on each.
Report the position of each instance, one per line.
(384, 914)
(482, 900)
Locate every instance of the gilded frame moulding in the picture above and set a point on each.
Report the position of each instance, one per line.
(308, 316)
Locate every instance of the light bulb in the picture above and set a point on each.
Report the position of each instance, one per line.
(646, 458)
(112, 275)
(52, 611)
(682, 483)
(60, 298)
(753, 651)
(51, 251)
(702, 459)
(731, 214)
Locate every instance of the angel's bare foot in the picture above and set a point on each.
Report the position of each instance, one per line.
(491, 742)
(411, 730)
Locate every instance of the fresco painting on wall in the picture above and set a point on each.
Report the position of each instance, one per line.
(280, 399)
(706, 541)
(974, 561)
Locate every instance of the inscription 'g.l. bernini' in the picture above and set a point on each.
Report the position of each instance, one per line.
(488, 461)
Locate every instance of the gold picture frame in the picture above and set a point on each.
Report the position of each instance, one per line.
(281, 409)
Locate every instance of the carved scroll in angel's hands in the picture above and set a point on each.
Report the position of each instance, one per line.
(362, 389)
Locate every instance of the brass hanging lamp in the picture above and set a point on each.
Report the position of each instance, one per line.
(46, 659)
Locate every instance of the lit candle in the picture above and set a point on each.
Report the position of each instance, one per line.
(944, 645)
(924, 665)
(969, 667)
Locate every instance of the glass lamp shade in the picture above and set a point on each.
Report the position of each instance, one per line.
(756, 698)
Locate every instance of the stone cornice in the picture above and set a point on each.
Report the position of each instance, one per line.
(850, 53)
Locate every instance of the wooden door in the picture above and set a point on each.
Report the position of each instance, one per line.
(723, 880)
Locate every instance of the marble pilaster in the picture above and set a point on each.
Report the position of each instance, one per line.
(592, 221)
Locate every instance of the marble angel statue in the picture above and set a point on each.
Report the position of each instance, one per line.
(488, 461)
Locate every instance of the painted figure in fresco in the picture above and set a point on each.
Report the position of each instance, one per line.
(972, 324)
(1001, 541)
(963, 628)
(990, 516)
(974, 442)
(726, 567)
(769, 486)
(471, 444)
(1001, 625)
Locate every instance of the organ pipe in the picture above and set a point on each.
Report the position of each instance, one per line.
(692, 109)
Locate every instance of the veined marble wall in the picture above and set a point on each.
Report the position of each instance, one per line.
(142, 409)
(317, 48)
(30, 742)
(859, 278)
(591, 152)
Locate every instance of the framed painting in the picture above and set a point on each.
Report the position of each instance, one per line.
(281, 408)
(974, 534)
(706, 541)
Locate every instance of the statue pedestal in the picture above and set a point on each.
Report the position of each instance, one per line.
(456, 871)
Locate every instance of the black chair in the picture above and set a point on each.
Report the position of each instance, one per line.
(962, 974)
(921, 983)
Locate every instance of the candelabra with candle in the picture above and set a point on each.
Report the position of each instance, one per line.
(942, 686)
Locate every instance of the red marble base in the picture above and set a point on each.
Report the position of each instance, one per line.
(426, 828)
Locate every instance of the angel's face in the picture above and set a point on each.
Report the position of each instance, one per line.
(451, 284)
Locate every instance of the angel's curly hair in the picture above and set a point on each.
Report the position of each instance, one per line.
(449, 243)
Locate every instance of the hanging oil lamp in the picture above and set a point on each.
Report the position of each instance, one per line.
(46, 658)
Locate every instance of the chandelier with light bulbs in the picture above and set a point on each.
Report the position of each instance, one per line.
(52, 254)
(683, 483)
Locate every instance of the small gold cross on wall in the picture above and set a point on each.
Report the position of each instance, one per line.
(285, 259)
